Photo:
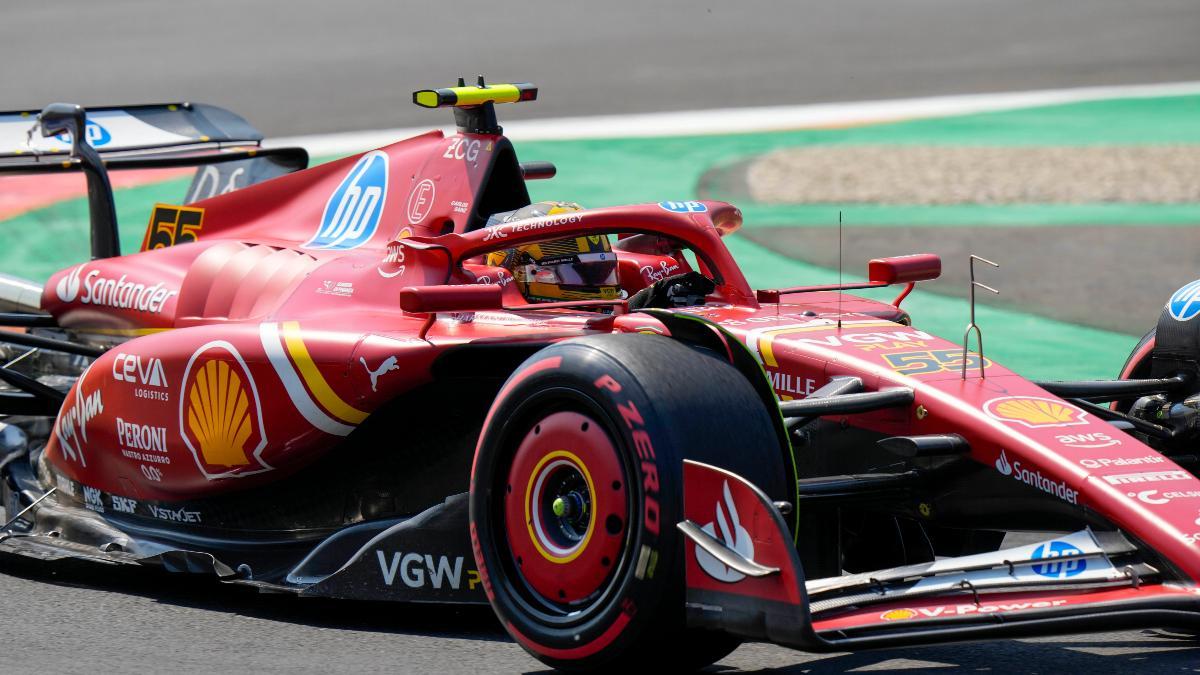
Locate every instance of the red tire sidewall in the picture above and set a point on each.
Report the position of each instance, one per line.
(642, 585)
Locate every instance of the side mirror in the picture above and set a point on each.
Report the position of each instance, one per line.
(904, 269)
(58, 118)
(461, 298)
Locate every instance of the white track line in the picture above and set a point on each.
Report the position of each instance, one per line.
(746, 120)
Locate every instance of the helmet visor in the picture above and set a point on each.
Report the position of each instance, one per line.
(592, 269)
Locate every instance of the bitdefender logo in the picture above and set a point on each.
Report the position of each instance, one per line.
(733, 535)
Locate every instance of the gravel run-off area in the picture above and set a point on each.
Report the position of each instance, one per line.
(927, 175)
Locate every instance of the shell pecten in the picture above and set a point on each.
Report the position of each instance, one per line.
(218, 414)
(1035, 411)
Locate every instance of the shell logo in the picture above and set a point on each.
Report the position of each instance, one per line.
(220, 415)
(898, 614)
(1034, 412)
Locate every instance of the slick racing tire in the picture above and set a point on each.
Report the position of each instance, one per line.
(1135, 369)
(577, 489)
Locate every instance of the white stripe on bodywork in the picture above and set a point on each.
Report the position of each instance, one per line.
(269, 333)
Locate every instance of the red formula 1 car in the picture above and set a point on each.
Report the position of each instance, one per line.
(334, 382)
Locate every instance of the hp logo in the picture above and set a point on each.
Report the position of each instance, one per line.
(352, 213)
(1060, 569)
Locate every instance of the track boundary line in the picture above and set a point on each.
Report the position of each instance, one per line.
(749, 120)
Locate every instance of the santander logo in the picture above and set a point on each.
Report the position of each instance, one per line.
(733, 535)
(1003, 466)
(68, 286)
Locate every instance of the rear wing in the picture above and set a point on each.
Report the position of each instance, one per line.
(64, 137)
(126, 128)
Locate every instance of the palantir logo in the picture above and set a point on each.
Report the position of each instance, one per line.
(1185, 302)
(67, 288)
(1058, 569)
(352, 213)
(733, 535)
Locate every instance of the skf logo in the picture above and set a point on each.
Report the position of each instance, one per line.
(220, 415)
(352, 213)
(170, 225)
(898, 614)
(1034, 412)
(733, 535)
(421, 201)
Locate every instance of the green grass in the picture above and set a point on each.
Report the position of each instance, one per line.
(624, 171)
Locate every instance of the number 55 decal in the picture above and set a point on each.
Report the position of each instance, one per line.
(931, 361)
(170, 225)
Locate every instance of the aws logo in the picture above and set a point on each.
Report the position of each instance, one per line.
(220, 415)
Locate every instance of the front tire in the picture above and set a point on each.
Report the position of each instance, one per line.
(577, 488)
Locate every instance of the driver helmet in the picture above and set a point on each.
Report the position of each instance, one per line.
(575, 268)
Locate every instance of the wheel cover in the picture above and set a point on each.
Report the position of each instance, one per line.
(566, 509)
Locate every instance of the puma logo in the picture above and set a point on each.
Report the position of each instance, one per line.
(389, 364)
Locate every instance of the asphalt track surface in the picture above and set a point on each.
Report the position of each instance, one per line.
(293, 68)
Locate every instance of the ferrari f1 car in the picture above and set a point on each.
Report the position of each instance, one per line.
(324, 383)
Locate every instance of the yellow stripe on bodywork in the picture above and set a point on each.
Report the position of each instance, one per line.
(313, 379)
(766, 339)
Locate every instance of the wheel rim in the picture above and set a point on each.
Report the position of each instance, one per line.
(566, 510)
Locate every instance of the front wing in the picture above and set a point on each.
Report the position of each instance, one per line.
(744, 576)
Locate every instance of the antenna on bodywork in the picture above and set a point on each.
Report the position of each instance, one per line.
(973, 326)
(840, 291)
